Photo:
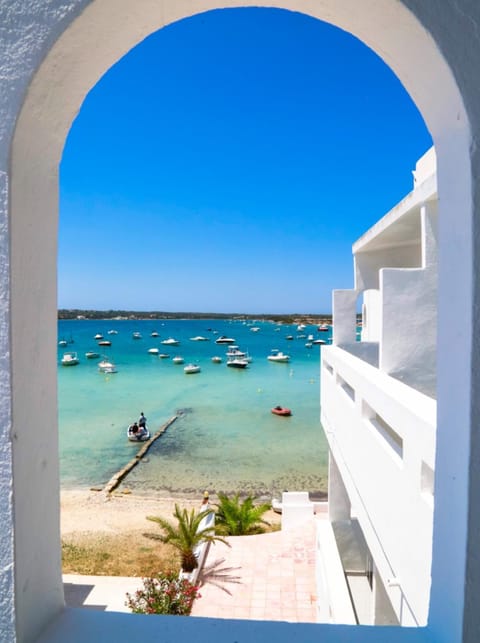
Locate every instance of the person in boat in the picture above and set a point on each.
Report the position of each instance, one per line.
(134, 428)
(278, 408)
(142, 422)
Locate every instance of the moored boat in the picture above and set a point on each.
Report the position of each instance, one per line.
(237, 362)
(189, 369)
(178, 359)
(216, 359)
(199, 338)
(153, 351)
(170, 342)
(136, 335)
(279, 357)
(282, 411)
(70, 359)
(106, 366)
(105, 342)
(223, 339)
(92, 355)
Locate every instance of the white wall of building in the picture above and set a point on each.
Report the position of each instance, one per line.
(382, 435)
(368, 264)
(52, 53)
(408, 339)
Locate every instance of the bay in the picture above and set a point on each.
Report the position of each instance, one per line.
(226, 438)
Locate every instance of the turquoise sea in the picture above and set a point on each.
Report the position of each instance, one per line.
(226, 440)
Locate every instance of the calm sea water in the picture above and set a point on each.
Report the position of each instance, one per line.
(227, 439)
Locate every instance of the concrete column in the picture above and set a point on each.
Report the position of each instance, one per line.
(339, 507)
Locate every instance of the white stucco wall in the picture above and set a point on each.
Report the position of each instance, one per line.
(383, 481)
(344, 316)
(51, 54)
(367, 265)
(409, 312)
(425, 167)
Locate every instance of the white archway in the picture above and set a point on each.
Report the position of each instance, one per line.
(78, 50)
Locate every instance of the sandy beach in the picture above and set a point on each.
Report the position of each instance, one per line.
(91, 512)
(98, 529)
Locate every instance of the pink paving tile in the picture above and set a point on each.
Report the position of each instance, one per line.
(277, 573)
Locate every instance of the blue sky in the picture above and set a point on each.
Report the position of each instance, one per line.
(228, 163)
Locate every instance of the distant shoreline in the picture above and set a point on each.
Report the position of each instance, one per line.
(125, 315)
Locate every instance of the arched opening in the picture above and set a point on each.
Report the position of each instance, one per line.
(55, 94)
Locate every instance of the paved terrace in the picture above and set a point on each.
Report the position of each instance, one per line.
(266, 577)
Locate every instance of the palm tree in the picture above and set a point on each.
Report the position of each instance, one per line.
(186, 535)
(236, 518)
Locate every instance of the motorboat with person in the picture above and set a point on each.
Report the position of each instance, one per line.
(136, 433)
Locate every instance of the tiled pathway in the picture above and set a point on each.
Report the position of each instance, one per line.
(266, 577)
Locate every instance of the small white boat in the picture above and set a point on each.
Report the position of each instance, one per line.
(112, 332)
(92, 355)
(310, 338)
(63, 342)
(255, 329)
(234, 351)
(142, 434)
(153, 351)
(189, 369)
(163, 355)
(154, 334)
(289, 337)
(279, 357)
(199, 338)
(237, 362)
(178, 360)
(105, 342)
(136, 335)
(98, 336)
(309, 345)
(170, 342)
(301, 327)
(319, 341)
(217, 360)
(106, 366)
(223, 339)
(323, 328)
(70, 359)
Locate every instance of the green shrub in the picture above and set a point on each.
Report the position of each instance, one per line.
(164, 594)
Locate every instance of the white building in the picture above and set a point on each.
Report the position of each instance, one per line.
(52, 52)
(379, 409)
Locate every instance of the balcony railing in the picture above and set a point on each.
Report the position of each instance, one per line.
(381, 433)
